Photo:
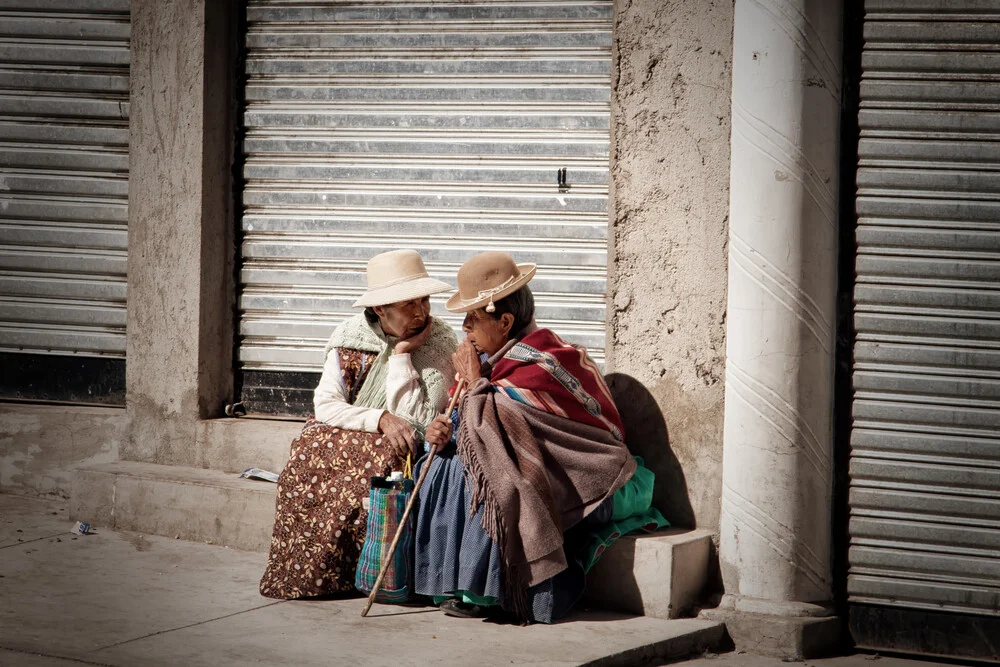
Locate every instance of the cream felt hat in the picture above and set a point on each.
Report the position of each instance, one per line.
(488, 277)
(398, 275)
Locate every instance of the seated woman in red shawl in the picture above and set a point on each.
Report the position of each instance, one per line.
(529, 464)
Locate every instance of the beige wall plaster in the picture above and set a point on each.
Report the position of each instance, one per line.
(41, 445)
(164, 260)
(179, 334)
(668, 248)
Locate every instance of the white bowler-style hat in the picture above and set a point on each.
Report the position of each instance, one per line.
(398, 275)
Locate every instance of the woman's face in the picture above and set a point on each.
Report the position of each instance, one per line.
(404, 319)
(485, 333)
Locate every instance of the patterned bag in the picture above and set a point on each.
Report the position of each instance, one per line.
(387, 505)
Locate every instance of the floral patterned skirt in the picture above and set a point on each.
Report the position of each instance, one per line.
(319, 520)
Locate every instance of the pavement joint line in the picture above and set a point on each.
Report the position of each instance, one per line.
(36, 539)
(189, 625)
(82, 661)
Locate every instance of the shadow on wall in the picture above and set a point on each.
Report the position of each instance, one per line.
(646, 436)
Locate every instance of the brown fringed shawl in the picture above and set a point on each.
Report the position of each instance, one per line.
(536, 474)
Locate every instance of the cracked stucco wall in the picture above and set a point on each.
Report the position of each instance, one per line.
(181, 228)
(668, 243)
(42, 445)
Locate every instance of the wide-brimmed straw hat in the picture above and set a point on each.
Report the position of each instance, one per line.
(398, 275)
(488, 277)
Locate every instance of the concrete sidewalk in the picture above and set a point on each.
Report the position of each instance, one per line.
(127, 599)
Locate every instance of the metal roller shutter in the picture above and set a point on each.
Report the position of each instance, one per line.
(925, 447)
(64, 86)
(439, 126)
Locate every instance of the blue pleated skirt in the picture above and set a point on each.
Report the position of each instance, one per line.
(452, 552)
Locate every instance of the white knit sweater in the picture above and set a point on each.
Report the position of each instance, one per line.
(415, 384)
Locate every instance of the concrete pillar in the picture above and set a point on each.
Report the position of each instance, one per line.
(775, 541)
(180, 286)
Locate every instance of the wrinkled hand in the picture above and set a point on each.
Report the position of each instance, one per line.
(466, 362)
(410, 344)
(439, 433)
(401, 436)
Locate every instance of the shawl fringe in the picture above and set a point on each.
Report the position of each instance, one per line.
(515, 582)
(503, 478)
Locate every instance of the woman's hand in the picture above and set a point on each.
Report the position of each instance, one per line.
(466, 362)
(401, 436)
(439, 433)
(410, 344)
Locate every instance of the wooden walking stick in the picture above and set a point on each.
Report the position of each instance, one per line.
(409, 506)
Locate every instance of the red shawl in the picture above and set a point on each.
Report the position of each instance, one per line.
(544, 371)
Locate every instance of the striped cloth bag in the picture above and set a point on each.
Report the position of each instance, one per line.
(387, 504)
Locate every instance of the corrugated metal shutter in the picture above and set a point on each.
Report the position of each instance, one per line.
(925, 458)
(64, 85)
(439, 126)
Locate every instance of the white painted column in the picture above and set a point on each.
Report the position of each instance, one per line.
(775, 548)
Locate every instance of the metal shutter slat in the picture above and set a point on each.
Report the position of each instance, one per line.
(925, 446)
(435, 126)
(63, 176)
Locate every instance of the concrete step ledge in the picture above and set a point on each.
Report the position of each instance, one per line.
(792, 638)
(233, 445)
(659, 574)
(187, 503)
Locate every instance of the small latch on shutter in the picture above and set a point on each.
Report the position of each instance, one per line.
(235, 410)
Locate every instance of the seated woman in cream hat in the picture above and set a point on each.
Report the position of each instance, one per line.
(385, 378)
(535, 448)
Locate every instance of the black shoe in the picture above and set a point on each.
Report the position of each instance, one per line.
(501, 616)
(459, 609)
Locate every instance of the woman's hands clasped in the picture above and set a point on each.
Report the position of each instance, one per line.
(467, 363)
